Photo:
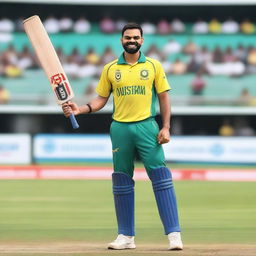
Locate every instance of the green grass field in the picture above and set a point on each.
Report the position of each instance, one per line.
(81, 212)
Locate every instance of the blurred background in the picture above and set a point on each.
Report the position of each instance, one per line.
(55, 181)
(208, 53)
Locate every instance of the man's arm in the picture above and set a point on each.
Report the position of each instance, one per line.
(165, 110)
(95, 105)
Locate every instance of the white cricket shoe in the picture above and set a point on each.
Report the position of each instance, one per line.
(122, 242)
(175, 241)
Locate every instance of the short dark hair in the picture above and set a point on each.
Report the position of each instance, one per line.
(132, 25)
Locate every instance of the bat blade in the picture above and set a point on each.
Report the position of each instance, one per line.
(49, 61)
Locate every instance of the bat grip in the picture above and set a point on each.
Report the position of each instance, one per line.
(73, 121)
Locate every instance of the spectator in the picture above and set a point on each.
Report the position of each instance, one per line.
(166, 65)
(4, 95)
(245, 97)
(251, 61)
(10, 55)
(226, 129)
(172, 47)
(107, 56)
(71, 68)
(241, 53)
(87, 70)
(230, 26)
(66, 24)
(163, 27)
(202, 57)
(26, 59)
(6, 25)
(148, 28)
(193, 66)
(12, 71)
(61, 55)
(82, 26)
(76, 57)
(107, 25)
(52, 25)
(250, 48)
(217, 55)
(9, 62)
(154, 53)
(228, 55)
(200, 27)
(92, 57)
(237, 68)
(247, 27)
(190, 48)
(177, 26)
(198, 84)
(179, 67)
(234, 69)
(214, 26)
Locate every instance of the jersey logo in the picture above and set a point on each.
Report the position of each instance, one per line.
(118, 75)
(144, 74)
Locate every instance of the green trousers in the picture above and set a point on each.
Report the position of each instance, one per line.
(127, 138)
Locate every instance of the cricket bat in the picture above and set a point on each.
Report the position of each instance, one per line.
(49, 61)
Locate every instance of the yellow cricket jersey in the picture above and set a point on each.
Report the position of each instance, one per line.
(134, 87)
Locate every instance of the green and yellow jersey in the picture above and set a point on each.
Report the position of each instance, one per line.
(134, 87)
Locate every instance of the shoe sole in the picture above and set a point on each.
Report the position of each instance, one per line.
(121, 248)
(175, 249)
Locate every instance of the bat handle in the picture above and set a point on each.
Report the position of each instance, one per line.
(73, 121)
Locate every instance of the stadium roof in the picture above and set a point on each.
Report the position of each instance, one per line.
(137, 2)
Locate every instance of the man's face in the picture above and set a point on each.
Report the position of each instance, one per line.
(132, 40)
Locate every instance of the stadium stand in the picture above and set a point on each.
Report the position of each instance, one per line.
(219, 89)
(82, 42)
(217, 86)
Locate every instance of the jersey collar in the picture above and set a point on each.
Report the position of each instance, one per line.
(122, 60)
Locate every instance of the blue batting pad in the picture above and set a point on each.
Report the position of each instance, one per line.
(166, 200)
(123, 190)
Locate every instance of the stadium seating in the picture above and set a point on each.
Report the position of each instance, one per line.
(99, 41)
(219, 88)
(33, 82)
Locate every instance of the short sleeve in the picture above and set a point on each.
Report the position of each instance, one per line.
(104, 86)
(161, 82)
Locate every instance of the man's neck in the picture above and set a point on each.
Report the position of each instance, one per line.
(131, 58)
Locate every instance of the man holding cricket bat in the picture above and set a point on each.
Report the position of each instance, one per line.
(136, 81)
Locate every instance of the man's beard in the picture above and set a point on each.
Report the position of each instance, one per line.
(131, 50)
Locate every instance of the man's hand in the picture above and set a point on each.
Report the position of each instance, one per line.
(163, 136)
(70, 108)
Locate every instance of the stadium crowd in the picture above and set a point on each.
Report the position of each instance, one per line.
(109, 25)
(176, 58)
(188, 58)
